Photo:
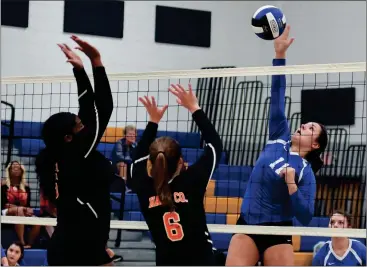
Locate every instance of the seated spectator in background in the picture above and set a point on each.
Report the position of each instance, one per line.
(16, 199)
(4, 259)
(15, 253)
(122, 153)
(341, 251)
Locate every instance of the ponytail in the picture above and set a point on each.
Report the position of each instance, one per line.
(314, 159)
(46, 174)
(161, 177)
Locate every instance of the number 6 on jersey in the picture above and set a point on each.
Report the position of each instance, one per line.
(173, 229)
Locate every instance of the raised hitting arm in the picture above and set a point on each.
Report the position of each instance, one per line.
(278, 125)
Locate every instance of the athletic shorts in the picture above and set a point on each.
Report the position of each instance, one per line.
(77, 253)
(263, 242)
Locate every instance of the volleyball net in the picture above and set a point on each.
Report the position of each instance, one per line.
(237, 101)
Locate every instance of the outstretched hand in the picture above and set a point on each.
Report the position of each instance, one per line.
(185, 98)
(72, 57)
(282, 43)
(89, 50)
(153, 110)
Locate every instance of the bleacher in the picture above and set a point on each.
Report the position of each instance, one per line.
(222, 201)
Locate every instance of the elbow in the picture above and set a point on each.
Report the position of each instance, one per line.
(305, 218)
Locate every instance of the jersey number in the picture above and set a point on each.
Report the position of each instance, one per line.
(278, 170)
(172, 226)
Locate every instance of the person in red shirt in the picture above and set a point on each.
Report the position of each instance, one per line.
(15, 200)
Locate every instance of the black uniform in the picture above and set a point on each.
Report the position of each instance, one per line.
(83, 205)
(181, 237)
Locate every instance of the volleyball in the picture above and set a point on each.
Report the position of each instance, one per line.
(268, 22)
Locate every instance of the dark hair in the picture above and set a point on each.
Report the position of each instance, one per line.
(20, 245)
(313, 157)
(164, 154)
(53, 133)
(346, 215)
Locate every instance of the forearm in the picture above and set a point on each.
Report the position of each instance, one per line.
(85, 97)
(278, 85)
(302, 209)
(8, 206)
(83, 83)
(208, 131)
(13, 211)
(104, 100)
(277, 119)
(149, 135)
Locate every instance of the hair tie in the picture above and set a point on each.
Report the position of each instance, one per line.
(161, 152)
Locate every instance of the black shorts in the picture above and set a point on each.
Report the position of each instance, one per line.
(263, 242)
(77, 252)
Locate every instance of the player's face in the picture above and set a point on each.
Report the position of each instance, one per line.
(338, 221)
(13, 254)
(306, 136)
(77, 128)
(78, 125)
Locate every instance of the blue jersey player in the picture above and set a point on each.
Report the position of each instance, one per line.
(341, 251)
(282, 184)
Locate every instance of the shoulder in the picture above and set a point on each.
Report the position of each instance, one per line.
(358, 245)
(283, 140)
(324, 249)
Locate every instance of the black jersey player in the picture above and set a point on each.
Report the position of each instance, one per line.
(80, 174)
(171, 196)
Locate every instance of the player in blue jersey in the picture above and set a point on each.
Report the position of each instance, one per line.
(341, 251)
(282, 184)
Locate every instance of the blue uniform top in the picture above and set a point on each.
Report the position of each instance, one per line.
(354, 256)
(266, 198)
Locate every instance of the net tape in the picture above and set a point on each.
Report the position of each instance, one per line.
(213, 228)
(207, 73)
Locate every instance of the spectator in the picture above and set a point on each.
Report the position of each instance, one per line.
(122, 153)
(341, 251)
(4, 259)
(15, 200)
(15, 253)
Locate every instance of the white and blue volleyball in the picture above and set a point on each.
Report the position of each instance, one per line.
(268, 22)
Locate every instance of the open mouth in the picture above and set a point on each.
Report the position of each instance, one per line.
(298, 132)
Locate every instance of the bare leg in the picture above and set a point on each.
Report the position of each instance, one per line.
(242, 251)
(279, 255)
(122, 170)
(19, 229)
(33, 234)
